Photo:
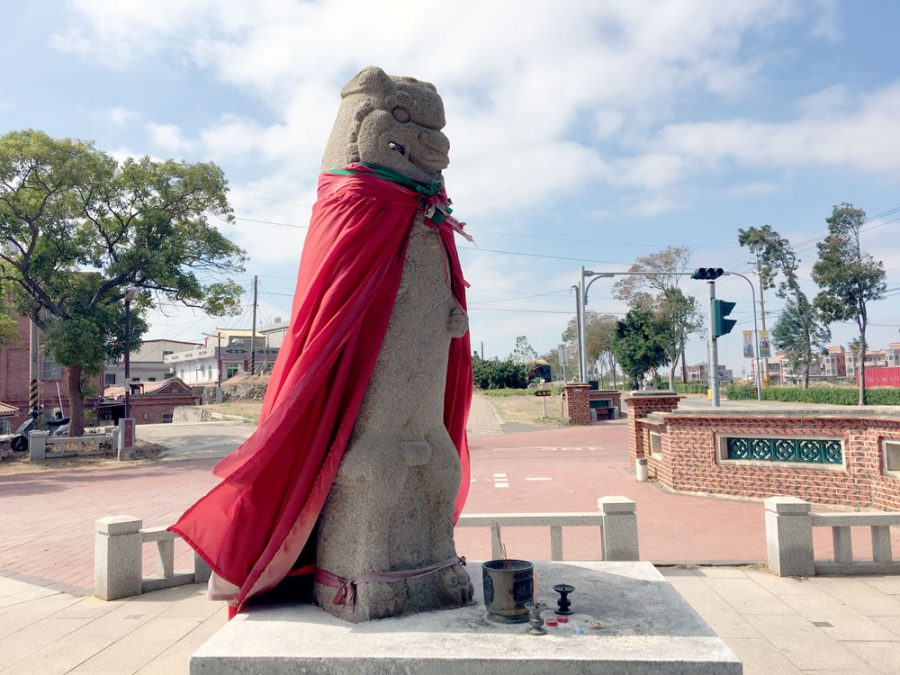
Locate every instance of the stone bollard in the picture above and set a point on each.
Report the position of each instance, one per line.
(202, 572)
(620, 537)
(37, 445)
(117, 557)
(789, 537)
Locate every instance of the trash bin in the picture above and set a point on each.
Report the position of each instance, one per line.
(641, 469)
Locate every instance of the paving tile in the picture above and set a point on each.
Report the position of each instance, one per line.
(141, 646)
(889, 585)
(723, 572)
(805, 645)
(176, 659)
(760, 657)
(781, 586)
(748, 597)
(691, 587)
(883, 656)
(846, 622)
(860, 595)
(33, 639)
(892, 623)
(722, 617)
(18, 617)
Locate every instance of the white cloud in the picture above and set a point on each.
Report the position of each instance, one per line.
(863, 139)
(753, 189)
(168, 138)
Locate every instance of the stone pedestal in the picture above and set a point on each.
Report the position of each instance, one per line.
(627, 618)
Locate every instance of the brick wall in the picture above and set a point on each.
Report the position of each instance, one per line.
(689, 459)
(640, 404)
(578, 407)
(14, 379)
(151, 410)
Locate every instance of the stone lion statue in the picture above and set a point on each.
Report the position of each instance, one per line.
(390, 511)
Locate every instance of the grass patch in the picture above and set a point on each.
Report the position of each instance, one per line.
(527, 408)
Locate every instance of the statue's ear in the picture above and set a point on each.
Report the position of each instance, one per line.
(371, 80)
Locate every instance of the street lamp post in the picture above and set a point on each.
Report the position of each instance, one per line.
(583, 297)
(582, 307)
(128, 298)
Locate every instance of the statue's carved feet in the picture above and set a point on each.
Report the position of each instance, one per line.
(453, 587)
(373, 601)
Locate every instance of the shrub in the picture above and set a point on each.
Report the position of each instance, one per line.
(691, 387)
(826, 395)
(498, 374)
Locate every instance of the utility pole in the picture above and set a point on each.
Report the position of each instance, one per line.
(713, 349)
(253, 333)
(34, 385)
(578, 314)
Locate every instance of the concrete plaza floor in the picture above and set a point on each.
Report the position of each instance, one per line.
(49, 622)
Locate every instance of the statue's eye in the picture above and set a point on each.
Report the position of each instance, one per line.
(401, 114)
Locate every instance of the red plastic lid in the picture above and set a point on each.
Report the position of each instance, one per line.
(562, 619)
(551, 622)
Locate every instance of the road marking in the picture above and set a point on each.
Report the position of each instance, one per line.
(501, 476)
(550, 448)
(501, 485)
(539, 478)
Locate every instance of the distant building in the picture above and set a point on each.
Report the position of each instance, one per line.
(698, 373)
(222, 355)
(147, 363)
(875, 358)
(149, 403)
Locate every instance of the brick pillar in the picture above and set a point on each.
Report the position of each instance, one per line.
(578, 407)
(641, 404)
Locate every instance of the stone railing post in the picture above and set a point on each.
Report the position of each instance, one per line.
(202, 572)
(578, 405)
(620, 536)
(117, 557)
(789, 537)
(37, 445)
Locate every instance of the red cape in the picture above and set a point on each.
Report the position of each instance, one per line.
(252, 526)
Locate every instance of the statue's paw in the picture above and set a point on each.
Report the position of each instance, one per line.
(380, 600)
(454, 586)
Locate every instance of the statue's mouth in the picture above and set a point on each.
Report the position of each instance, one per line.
(430, 160)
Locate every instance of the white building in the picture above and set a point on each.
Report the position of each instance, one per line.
(223, 354)
(147, 363)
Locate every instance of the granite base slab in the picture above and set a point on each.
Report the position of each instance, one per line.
(633, 621)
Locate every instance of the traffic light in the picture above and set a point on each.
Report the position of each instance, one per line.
(707, 273)
(721, 325)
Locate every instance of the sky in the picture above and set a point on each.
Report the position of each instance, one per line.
(583, 132)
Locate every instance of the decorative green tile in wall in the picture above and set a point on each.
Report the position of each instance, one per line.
(800, 450)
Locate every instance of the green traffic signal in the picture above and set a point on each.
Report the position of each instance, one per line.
(721, 309)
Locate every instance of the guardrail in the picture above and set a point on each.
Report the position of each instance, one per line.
(119, 542)
(118, 558)
(616, 519)
(43, 446)
(789, 527)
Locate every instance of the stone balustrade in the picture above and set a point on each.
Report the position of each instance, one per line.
(118, 548)
(789, 540)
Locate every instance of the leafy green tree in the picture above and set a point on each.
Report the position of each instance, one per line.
(496, 374)
(9, 332)
(523, 351)
(79, 229)
(800, 337)
(849, 278)
(638, 344)
(656, 288)
(598, 329)
(778, 260)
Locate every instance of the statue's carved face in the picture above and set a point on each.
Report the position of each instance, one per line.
(392, 121)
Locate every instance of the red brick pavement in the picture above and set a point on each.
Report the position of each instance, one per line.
(47, 521)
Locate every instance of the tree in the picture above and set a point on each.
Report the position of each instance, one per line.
(660, 272)
(523, 352)
(79, 229)
(496, 374)
(800, 337)
(777, 258)
(849, 279)
(9, 332)
(598, 329)
(637, 344)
